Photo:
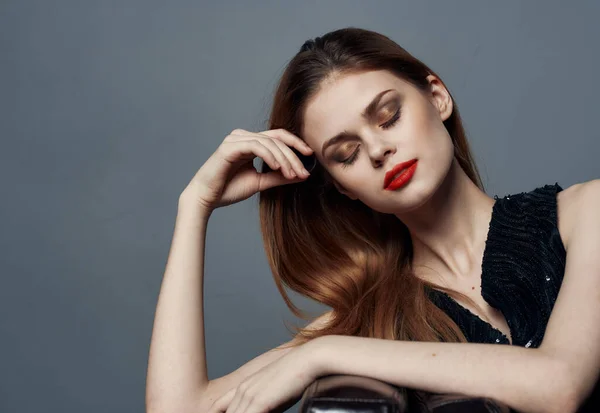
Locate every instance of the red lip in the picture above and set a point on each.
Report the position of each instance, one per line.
(389, 175)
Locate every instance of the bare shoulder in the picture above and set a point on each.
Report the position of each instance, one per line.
(571, 202)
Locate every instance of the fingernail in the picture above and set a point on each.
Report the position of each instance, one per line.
(305, 171)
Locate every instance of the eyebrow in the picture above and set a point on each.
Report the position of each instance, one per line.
(368, 113)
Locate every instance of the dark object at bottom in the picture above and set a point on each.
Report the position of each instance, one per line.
(356, 394)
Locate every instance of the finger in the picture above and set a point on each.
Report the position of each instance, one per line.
(272, 179)
(277, 151)
(220, 405)
(242, 406)
(239, 131)
(297, 146)
(290, 139)
(294, 159)
(237, 398)
(303, 152)
(238, 149)
(291, 164)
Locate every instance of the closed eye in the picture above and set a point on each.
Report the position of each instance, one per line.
(392, 121)
(386, 125)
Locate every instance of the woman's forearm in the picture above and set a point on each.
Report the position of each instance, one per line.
(526, 379)
(177, 371)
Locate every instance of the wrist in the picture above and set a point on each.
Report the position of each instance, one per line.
(320, 354)
(191, 212)
(188, 201)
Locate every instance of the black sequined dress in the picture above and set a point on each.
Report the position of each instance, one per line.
(522, 271)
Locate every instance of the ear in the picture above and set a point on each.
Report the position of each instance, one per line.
(342, 190)
(440, 97)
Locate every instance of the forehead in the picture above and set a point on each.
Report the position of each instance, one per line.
(339, 102)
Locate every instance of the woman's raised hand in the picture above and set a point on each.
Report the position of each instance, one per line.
(228, 175)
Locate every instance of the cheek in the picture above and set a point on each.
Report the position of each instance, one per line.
(423, 122)
(352, 181)
(432, 136)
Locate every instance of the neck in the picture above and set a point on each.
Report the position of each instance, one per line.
(450, 229)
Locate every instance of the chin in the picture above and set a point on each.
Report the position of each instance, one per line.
(406, 199)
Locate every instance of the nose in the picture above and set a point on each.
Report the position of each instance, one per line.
(382, 152)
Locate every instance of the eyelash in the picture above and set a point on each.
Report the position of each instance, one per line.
(386, 125)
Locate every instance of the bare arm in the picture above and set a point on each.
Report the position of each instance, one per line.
(177, 357)
(177, 378)
(555, 377)
(526, 379)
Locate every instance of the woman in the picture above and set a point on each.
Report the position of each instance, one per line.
(426, 275)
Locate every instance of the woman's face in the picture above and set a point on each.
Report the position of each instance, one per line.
(405, 124)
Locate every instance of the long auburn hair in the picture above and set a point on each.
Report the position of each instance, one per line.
(338, 251)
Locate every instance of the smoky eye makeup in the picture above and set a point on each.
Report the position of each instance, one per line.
(386, 117)
(389, 109)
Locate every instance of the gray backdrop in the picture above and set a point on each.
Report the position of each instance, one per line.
(108, 108)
